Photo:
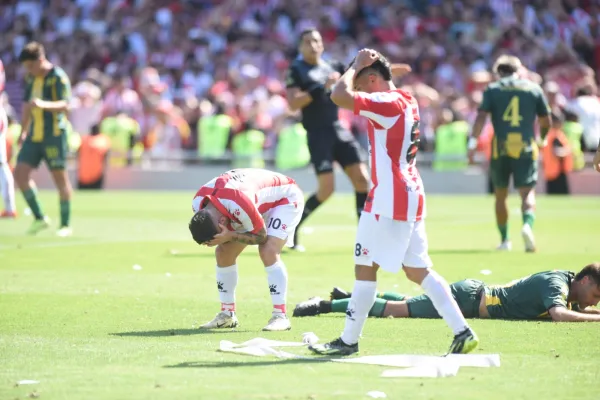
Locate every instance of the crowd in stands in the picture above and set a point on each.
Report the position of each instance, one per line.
(168, 63)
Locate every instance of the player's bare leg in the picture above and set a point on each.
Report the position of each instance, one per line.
(326, 186)
(358, 175)
(23, 179)
(277, 277)
(528, 212)
(361, 301)
(227, 277)
(501, 195)
(63, 184)
(438, 291)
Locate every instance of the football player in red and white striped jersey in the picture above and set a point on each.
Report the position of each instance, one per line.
(248, 207)
(7, 184)
(391, 231)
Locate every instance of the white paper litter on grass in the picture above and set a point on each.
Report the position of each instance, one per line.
(27, 382)
(408, 360)
(270, 343)
(423, 371)
(259, 351)
(376, 394)
(485, 272)
(137, 267)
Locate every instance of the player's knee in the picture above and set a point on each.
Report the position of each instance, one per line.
(224, 257)
(21, 174)
(415, 275)
(269, 252)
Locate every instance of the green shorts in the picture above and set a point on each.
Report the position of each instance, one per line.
(523, 170)
(467, 294)
(53, 150)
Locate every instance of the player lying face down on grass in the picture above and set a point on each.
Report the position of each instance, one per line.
(245, 207)
(562, 296)
(391, 231)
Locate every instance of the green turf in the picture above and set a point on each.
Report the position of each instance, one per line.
(76, 316)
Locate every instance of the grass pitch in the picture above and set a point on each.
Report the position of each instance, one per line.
(77, 317)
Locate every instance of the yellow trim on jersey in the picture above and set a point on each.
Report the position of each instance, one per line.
(55, 128)
(37, 114)
(492, 300)
(494, 148)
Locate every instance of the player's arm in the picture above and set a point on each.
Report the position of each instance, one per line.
(399, 70)
(296, 97)
(250, 218)
(562, 314)
(590, 310)
(62, 88)
(543, 113)
(26, 110)
(482, 114)
(250, 238)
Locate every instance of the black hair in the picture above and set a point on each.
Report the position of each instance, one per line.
(506, 69)
(382, 67)
(571, 116)
(592, 270)
(306, 32)
(32, 51)
(202, 227)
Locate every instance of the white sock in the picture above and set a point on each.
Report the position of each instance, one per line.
(438, 290)
(227, 279)
(7, 185)
(277, 277)
(363, 298)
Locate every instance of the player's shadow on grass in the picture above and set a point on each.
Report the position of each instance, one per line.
(460, 251)
(230, 364)
(176, 332)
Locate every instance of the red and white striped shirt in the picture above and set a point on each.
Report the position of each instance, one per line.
(243, 195)
(396, 188)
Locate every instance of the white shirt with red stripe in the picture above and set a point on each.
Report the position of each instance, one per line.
(396, 188)
(244, 195)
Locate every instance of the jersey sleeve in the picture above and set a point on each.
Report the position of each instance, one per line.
(555, 294)
(62, 87)
(382, 108)
(542, 108)
(292, 78)
(247, 213)
(486, 101)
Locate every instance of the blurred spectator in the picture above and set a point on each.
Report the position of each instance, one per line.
(139, 53)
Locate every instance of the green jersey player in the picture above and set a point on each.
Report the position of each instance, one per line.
(514, 103)
(47, 95)
(557, 295)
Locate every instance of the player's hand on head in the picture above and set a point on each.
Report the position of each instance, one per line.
(223, 236)
(365, 58)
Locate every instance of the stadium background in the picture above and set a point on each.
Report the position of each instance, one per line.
(169, 64)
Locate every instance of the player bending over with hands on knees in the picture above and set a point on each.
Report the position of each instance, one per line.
(391, 230)
(248, 207)
(562, 296)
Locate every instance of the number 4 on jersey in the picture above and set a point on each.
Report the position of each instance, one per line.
(511, 114)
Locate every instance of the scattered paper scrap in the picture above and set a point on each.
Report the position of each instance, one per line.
(375, 394)
(255, 350)
(485, 272)
(137, 267)
(168, 274)
(27, 382)
(407, 360)
(422, 371)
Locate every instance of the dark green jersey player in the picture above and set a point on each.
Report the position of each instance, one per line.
(514, 104)
(47, 95)
(559, 295)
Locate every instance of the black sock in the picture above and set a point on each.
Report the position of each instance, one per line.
(360, 202)
(324, 307)
(311, 204)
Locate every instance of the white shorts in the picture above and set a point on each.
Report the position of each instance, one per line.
(281, 221)
(390, 243)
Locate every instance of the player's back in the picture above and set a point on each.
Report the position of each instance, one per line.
(514, 103)
(529, 297)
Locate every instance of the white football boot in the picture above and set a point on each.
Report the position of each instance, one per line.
(505, 246)
(528, 238)
(224, 319)
(65, 231)
(278, 322)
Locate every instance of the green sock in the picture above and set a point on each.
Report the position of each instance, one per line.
(503, 232)
(65, 212)
(32, 201)
(391, 296)
(378, 308)
(528, 218)
(339, 305)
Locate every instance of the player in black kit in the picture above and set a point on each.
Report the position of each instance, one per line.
(309, 82)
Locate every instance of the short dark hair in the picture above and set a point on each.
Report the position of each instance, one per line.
(202, 227)
(592, 270)
(306, 32)
(382, 67)
(31, 52)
